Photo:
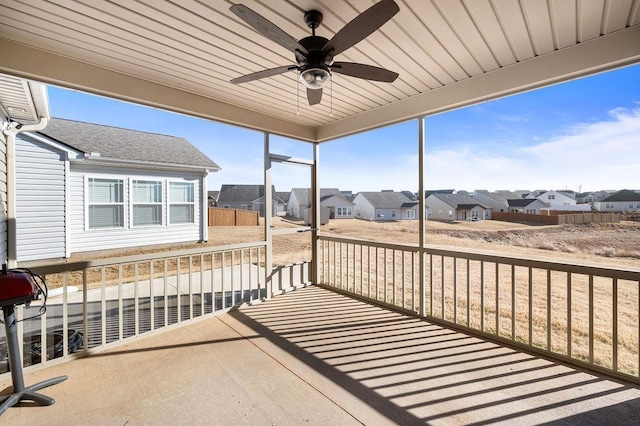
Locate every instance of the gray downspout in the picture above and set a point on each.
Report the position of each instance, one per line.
(11, 132)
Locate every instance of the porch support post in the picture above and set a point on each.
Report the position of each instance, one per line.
(421, 215)
(315, 215)
(268, 198)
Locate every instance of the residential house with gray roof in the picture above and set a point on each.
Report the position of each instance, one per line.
(527, 205)
(248, 197)
(83, 187)
(456, 207)
(330, 198)
(385, 206)
(624, 200)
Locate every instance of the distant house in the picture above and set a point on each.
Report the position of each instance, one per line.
(247, 197)
(83, 186)
(212, 197)
(527, 205)
(561, 200)
(385, 206)
(284, 197)
(456, 207)
(621, 201)
(300, 201)
(496, 201)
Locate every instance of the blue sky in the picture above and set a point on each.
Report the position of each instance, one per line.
(580, 135)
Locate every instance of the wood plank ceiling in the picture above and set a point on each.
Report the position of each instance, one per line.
(196, 46)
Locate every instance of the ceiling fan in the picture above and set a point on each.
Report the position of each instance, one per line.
(314, 54)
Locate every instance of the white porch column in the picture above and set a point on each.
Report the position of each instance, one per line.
(421, 214)
(268, 201)
(315, 215)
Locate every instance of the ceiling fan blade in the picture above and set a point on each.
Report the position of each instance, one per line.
(262, 74)
(314, 96)
(361, 26)
(267, 28)
(367, 72)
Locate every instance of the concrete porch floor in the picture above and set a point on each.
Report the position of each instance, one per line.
(316, 357)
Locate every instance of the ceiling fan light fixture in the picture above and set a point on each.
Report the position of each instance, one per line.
(315, 76)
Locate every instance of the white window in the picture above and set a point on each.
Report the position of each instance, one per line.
(551, 197)
(106, 203)
(393, 213)
(146, 202)
(181, 202)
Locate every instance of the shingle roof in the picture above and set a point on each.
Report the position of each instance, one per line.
(461, 201)
(125, 144)
(385, 200)
(242, 193)
(623, 195)
(303, 194)
(521, 202)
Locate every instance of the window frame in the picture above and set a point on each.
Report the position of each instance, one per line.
(132, 202)
(170, 203)
(88, 203)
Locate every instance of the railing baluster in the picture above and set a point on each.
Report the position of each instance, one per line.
(590, 319)
(178, 294)
(103, 307)
(497, 299)
(223, 276)
(482, 296)
(404, 290)
(468, 293)
(166, 292)
(530, 291)
(361, 269)
(233, 278)
(393, 277)
(120, 305)
(569, 325)
(190, 298)
(443, 298)
(549, 324)
(431, 285)
(202, 293)
(385, 284)
(65, 313)
(136, 306)
(152, 296)
(513, 302)
(455, 290)
(615, 324)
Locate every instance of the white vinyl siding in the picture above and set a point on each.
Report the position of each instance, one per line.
(40, 201)
(146, 202)
(130, 236)
(106, 203)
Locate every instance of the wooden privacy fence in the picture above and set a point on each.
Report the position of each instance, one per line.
(559, 219)
(233, 217)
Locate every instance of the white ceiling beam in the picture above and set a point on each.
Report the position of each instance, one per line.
(604, 53)
(30, 63)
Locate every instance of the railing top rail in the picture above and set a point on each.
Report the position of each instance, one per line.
(109, 261)
(379, 244)
(619, 272)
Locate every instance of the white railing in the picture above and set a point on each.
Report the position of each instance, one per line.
(100, 303)
(581, 314)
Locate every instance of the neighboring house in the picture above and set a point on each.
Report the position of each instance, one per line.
(83, 187)
(212, 197)
(527, 205)
(621, 201)
(495, 201)
(557, 200)
(247, 197)
(385, 206)
(339, 206)
(284, 197)
(456, 207)
(300, 200)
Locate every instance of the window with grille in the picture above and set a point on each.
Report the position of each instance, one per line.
(146, 202)
(106, 203)
(181, 202)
